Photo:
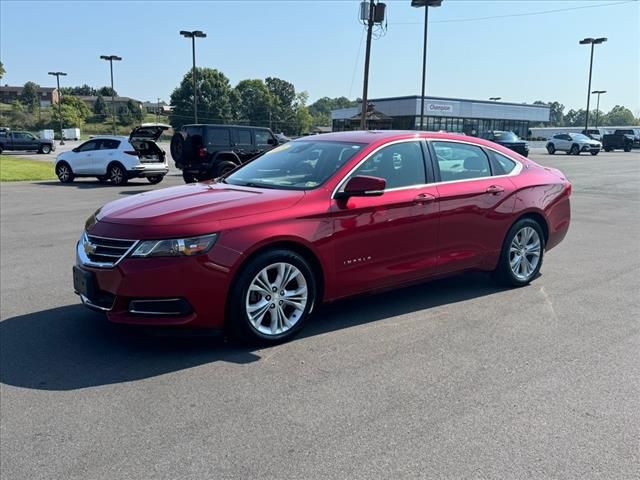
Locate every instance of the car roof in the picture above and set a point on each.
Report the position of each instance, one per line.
(109, 137)
(375, 136)
(215, 125)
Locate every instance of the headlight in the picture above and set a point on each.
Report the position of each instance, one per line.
(176, 247)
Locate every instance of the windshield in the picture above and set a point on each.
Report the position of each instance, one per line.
(299, 165)
(579, 136)
(505, 137)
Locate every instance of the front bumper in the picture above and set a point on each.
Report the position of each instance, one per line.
(590, 148)
(172, 291)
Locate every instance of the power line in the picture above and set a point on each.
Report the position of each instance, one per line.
(356, 63)
(528, 14)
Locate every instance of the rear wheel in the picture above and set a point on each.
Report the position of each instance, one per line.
(155, 179)
(551, 149)
(64, 172)
(272, 297)
(575, 149)
(522, 253)
(117, 174)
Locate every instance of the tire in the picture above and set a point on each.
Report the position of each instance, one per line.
(189, 177)
(594, 152)
(607, 149)
(627, 149)
(155, 179)
(512, 272)
(117, 174)
(290, 310)
(177, 146)
(103, 179)
(224, 167)
(1, 149)
(45, 149)
(551, 149)
(575, 149)
(64, 172)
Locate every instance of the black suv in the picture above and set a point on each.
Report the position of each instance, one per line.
(203, 152)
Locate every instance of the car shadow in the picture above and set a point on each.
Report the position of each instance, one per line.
(71, 347)
(92, 184)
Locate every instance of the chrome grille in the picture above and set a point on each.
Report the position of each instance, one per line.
(104, 252)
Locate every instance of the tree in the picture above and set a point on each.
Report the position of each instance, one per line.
(216, 98)
(106, 92)
(575, 118)
(619, 116)
(100, 107)
(302, 118)
(84, 90)
(2, 70)
(19, 117)
(556, 114)
(284, 95)
(321, 108)
(135, 111)
(74, 112)
(29, 96)
(254, 103)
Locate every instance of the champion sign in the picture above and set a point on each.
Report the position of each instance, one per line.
(439, 107)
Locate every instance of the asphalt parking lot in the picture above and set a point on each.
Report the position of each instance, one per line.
(452, 379)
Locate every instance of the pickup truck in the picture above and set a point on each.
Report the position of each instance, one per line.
(618, 140)
(25, 141)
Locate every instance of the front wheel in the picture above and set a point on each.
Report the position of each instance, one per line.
(45, 149)
(64, 172)
(117, 174)
(627, 149)
(272, 297)
(594, 152)
(551, 149)
(189, 177)
(155, 179)
(522, 253)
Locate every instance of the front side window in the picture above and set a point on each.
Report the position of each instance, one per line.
(262, 138)
(299, 165)
(400, 164)
(461, 161)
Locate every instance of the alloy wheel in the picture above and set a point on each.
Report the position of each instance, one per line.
(276, 299)
(116, 175)
(524, 253)
(64, 173)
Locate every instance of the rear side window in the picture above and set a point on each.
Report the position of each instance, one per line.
(461, 161)
(218, 137)
(86, 147)
(109, 144)
(500, 164)
(243, 136)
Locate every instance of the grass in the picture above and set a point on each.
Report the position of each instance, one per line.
(16, 168)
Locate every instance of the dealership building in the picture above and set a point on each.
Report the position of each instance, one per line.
(472, 117)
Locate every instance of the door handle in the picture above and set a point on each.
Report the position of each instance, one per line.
(495, 189)
(424, 198)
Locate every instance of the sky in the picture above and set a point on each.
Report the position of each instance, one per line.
(522, 56)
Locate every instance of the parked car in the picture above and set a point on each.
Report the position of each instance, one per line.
(117, 158)
(573, 143)
(71, 133)
(207, 151)
(617, 141)
(508, 139)
(24, 141)
(595, 133)
(318, 219)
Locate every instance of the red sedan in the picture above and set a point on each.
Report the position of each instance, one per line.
(315, 220)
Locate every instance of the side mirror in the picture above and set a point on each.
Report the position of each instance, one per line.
(363, 186)
(75, 150)
(272, 141)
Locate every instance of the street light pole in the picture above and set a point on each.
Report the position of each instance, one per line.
(426, 4)
(593, 42)
(111, 59)
(598, 104)
(193, 35)
(58, 75)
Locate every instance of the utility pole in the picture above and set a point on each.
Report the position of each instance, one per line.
(58, 75)
(365, 89)
(111, 59)
(158, 111)
(193, 35)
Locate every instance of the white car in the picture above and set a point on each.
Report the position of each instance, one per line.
(117, 158)
(573, 143)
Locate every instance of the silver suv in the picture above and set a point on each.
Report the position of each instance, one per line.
(573, 144)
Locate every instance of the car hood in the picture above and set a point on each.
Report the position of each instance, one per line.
(196, 203)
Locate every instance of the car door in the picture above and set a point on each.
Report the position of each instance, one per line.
(105, 152)
(564, 142)
(243, 144)
(475, 205)
(20, 141)
(392, 238)
(264, 140)
(82, 160)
